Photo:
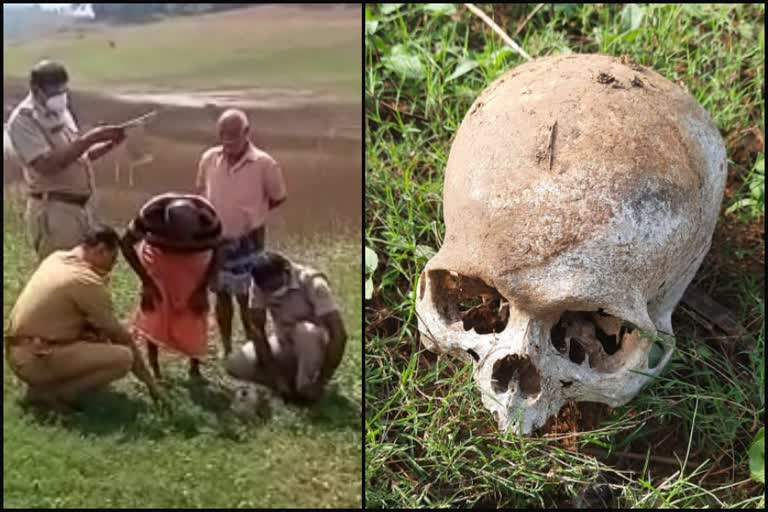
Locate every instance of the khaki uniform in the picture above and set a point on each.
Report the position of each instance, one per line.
(51, 225)
(51, 340)
(295, 314)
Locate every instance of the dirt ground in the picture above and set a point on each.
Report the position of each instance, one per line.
(317, 141)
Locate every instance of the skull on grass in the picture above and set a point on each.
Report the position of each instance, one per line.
(580, 198)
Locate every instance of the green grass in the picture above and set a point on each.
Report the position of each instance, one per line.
(429, 441)
(123, 452)
(255, 48)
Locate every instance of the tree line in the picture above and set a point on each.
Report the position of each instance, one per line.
(130, 13)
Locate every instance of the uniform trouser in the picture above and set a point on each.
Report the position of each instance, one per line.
(65, 371)
(310, 343)
(55, 226)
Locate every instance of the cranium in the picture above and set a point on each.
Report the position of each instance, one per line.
(580, 197)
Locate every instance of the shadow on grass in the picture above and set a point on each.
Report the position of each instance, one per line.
(105, 413)
(111, 412)
(336, 412)
(213, 397)
(194, 408)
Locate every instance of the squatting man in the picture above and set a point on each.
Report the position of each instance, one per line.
(63, 339)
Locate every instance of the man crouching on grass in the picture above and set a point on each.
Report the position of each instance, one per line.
(63, 339)
(299, 360)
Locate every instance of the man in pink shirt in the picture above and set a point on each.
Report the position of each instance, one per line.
(243, 183)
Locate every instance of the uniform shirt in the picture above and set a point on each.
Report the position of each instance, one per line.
(63, 300)
(34, 132)
(307, 298)
(240, 193)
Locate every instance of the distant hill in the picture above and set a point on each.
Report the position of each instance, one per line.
(266, 46)
(139, 13)
(23, 22)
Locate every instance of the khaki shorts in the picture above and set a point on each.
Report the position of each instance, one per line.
(55, 226)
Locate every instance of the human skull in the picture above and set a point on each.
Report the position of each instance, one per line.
(249, 400)
(580, 197)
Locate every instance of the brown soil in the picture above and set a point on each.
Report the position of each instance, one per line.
(317, 141)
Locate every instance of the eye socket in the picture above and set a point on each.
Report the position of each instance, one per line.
(469, 300)
(557, 335)
(596, 336)
(576, 352)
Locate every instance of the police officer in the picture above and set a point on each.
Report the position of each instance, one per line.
(56, 160)
(301, 356)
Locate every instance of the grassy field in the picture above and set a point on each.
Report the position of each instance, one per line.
(269, 46)
(123, 452)
(683, 442)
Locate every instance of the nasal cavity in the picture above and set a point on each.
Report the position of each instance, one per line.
(471, 300)
(519, 369)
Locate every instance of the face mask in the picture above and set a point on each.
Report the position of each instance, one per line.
(57, 103)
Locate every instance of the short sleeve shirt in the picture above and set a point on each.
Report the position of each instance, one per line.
(240, 193)
(34, 132)
(308, 298)
(62, 301)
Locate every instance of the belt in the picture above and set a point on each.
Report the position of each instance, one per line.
(61, 197)
(15, 341)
